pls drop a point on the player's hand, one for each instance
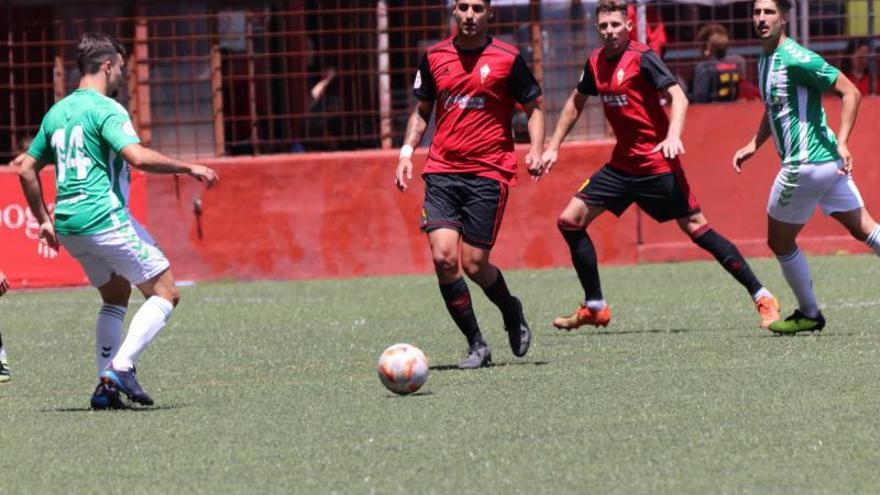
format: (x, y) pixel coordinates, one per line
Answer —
(4, 284)
(204, 174)
(846, 156)
(48, 236)
(548, 159)
(671, 147)
(742, 155)
(535, 164)
(44, 251)
(403, 173)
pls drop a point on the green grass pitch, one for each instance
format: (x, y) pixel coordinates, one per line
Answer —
(271, 387)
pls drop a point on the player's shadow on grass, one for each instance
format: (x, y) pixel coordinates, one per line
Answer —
(606, 333)
(454, 367)
(815, 335)
(111, 411)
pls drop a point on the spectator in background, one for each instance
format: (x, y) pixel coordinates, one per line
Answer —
(316, 125)
(655, 32)
(855, 63)
(718, 77)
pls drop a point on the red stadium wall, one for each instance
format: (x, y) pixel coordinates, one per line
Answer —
(339, 215)
(22, 258)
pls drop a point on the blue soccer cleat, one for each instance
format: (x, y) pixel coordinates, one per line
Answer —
(127, 383)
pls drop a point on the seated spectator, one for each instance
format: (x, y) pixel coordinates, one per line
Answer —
(718, 77)
(855, 63)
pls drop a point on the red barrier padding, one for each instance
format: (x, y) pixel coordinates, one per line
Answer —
(25, 263)
(339, 214)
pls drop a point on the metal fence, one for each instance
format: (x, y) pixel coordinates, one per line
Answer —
(213, 78)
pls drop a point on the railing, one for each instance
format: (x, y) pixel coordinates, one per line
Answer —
(336, 74)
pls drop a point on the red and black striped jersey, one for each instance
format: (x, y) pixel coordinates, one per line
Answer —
(475, 93)
(629, 87)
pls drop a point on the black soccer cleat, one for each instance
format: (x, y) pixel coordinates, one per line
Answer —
(518, 333)
(127, 383)
(106, 396)
(478, 356)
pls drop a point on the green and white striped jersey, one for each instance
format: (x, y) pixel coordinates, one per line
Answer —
(792, 80)
(83, 135)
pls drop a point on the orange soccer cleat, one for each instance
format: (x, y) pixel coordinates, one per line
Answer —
(584, 316)
(768, 308)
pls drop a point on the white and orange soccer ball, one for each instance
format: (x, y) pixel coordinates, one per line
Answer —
(403, 368)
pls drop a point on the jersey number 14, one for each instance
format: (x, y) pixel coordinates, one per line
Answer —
(70, 153)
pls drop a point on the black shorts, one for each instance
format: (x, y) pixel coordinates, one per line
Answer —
(663, 196)
(472, 205)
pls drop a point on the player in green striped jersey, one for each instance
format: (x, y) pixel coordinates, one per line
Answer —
(91, 140)
(816, 164)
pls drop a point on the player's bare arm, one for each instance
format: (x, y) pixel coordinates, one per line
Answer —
(572, 110)
(415, 129)
(850, 98)
(535, 112)
(29, 176)
(148, 160)
(672, 146)
(746, 152)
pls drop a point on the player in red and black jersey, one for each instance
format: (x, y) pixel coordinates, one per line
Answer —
(644, 168)
(473, 83)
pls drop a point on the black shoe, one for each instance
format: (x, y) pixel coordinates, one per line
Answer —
(106, 396)
(518, 333)
(478, 357)
(127, 383)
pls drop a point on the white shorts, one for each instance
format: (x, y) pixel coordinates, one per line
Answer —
(798, 189)
(128, 251)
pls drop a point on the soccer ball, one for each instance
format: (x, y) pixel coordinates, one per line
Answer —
(403, 368)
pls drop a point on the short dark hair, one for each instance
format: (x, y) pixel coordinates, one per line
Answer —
(94, 49)
(784, 5)
(609, 6)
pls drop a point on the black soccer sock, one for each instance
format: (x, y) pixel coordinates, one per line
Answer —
(500, 295)
(458, 302)
(729, 256)
(583, 257)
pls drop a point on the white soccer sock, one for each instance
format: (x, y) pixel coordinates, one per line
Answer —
(595, 304)
(145, 326)
(763, 292)
(108, 334)
(873, 240)
(797, 274)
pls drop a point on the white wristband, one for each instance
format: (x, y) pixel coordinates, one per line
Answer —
(406, 151)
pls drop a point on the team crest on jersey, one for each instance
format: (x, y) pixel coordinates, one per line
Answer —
(776, 104)
(484, 73)
(418, 83)
(620, 75)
